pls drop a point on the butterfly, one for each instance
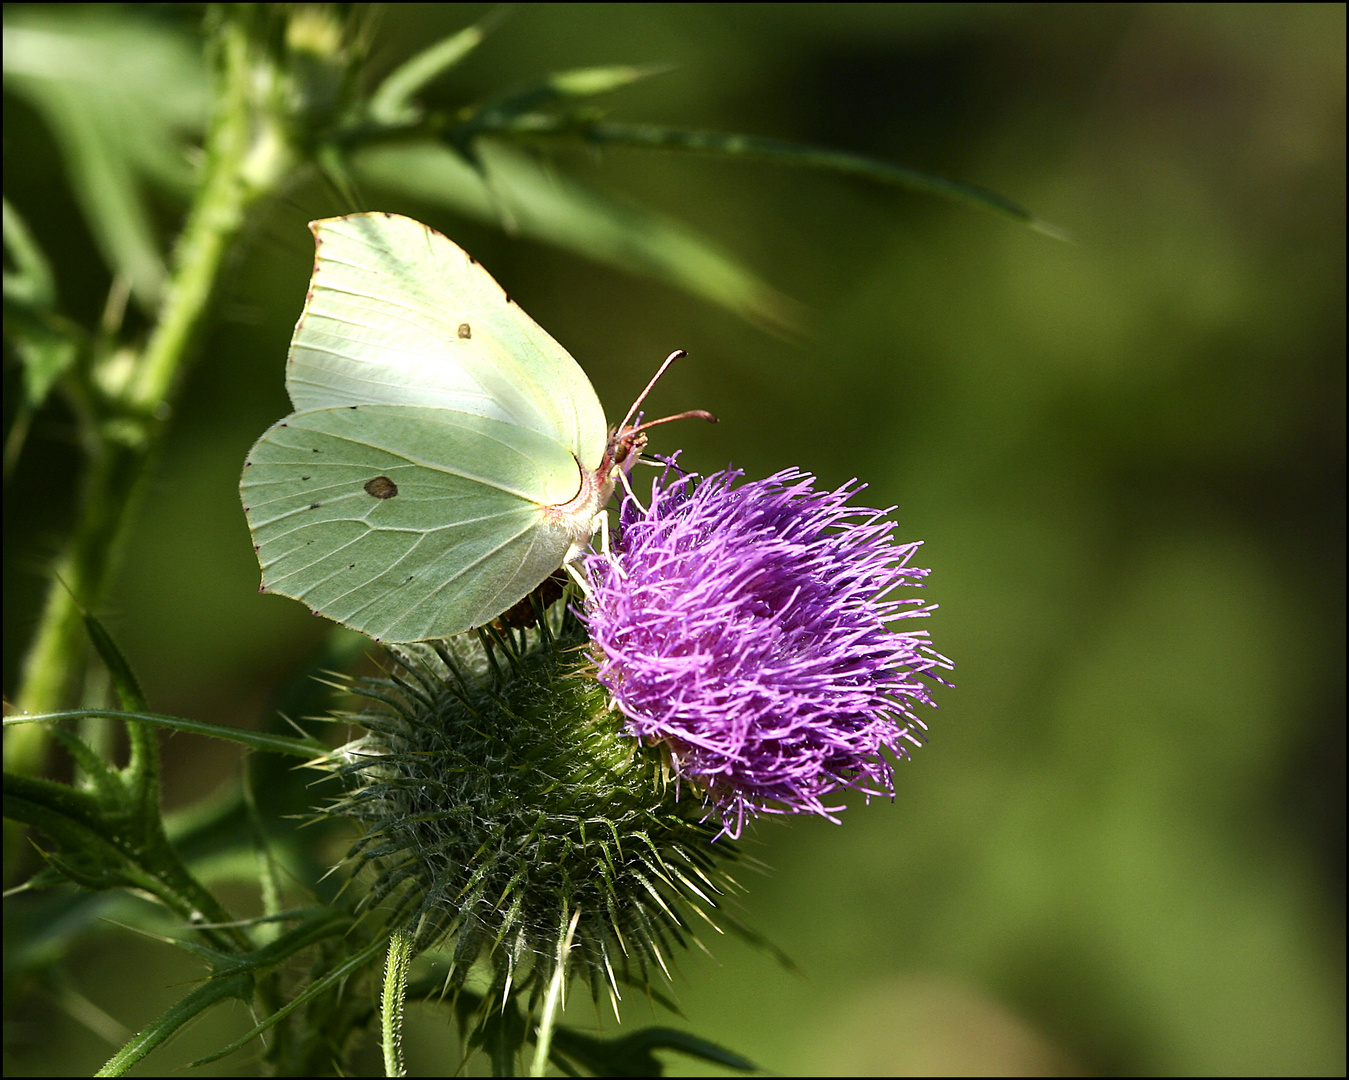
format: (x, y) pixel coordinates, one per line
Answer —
(445, 454)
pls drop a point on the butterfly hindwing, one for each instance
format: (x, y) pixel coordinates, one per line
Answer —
(406, 522)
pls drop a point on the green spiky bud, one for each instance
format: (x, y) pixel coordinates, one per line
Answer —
(500, 797)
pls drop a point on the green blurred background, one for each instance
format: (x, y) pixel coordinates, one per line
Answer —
(1123, 849)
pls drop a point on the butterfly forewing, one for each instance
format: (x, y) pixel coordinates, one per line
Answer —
(397, 314)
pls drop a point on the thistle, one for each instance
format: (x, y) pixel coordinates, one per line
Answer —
(746, 630)
(500, 798)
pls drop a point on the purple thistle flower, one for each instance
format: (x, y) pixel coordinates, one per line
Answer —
(746, 628)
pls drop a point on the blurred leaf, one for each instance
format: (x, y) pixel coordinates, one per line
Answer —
(120, 95)
(153, 73)
(33, 282)
(46, 345)
(562, 211)
(45, 342)
(599, 133)
(497, 113)
(41, 932)
(391, 103)
(634, 1055)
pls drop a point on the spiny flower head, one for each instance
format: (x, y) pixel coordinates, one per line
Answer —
(747, 628)
(500, 799)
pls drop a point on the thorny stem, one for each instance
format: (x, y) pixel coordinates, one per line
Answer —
(391, 1005)
(238, 168)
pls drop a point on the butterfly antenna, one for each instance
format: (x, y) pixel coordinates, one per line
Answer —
(691, 414)
(654, 379)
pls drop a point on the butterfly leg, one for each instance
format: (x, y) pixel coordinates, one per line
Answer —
(578, 577)
(627, 487)
(602, 526)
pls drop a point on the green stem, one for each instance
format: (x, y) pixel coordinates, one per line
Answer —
(391, 1006)
(544, 1043)
(124, 445)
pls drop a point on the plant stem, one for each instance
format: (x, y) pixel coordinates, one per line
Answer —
(391, 1006)
(544, 1040)
(124, 443)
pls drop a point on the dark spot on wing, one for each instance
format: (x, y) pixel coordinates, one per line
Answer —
(381, 487)
(465, 331)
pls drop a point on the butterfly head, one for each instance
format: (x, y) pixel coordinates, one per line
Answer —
(628, 439)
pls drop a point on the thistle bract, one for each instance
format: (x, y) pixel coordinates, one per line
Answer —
(500, 797)
(747, 629)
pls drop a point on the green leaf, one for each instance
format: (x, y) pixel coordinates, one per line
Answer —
(158, 1031)
(564, 212)
(391, 103)
(103, 840)
(98, 846)
(317, 923)
(599, 133)
(120, 95)
(112, 834)
(104, 778)
(310, 992)
(634, 1054)
(562, 86)
(124, 680)
(33, 281)
(257, 740)
(499, 113)
(46, 342)
(47, 346)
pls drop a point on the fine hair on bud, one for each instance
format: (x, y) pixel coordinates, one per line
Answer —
(499, 797)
